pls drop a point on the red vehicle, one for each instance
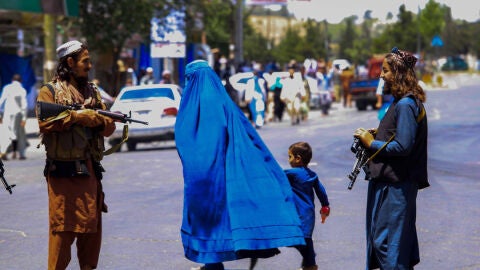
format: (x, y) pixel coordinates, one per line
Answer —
(363, 89)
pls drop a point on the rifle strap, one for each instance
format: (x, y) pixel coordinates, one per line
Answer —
(116, 147)
(381, 148)
(50, 87)
(420, 116)
(58, 116)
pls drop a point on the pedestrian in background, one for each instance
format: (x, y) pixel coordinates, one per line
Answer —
(305, 99)
(255, 97)
(305, 184)
(131, 77)
(269, 82)
(346, 78)
(148, 78)
(14, 102)
(399, 169)
(166, 77)
(278, 104)
(337, 83)
(237, 200)
(74, 144)
(293, 92)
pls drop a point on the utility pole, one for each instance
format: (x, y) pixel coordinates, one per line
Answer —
(49, 55)
(238, 33)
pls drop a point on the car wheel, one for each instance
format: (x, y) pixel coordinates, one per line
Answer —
(131, 146)
(361, 105)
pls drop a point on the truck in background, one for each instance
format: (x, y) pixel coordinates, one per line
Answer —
(363, 88)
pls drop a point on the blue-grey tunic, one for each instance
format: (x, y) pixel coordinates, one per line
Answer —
(397, 174)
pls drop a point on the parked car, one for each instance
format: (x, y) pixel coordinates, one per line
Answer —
(454, 63)
(156, 104)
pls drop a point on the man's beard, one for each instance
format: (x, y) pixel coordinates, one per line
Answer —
(81, 81)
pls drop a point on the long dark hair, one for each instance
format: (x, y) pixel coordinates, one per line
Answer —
(405, 78)
(64, 72)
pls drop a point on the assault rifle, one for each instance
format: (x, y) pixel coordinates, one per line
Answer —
(46, 110)
(361, 160)
(4, 181)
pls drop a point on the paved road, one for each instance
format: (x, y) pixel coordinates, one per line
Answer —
(144, 193)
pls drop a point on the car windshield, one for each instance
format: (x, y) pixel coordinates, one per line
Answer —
(148, 93)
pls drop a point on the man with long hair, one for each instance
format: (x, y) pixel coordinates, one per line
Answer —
(398, 169)
(74, 144)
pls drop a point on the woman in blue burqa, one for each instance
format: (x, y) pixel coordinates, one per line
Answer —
(237, 199)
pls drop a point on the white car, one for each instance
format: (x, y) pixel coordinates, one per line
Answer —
(156, 104)
(106, 98)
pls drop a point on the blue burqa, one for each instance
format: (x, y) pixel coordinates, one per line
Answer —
(237, 199)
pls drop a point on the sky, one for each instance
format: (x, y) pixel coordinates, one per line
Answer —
(335, 11)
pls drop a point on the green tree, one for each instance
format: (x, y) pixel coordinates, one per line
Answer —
(255, 46)
(405, 30)
(456, 37)
(431, 22)
(402, 34)
(218, 19)
(347, 38)
(474, 30)
(213, 19)
(286, 50)
(313, 43)
(108, 26)
(362, 46)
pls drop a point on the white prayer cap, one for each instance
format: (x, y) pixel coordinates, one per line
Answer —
(166, 72)
(149, 69)
(68, 48)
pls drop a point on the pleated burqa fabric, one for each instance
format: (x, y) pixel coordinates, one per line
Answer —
(237, 200)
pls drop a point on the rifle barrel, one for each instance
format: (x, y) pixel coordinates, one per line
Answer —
(120, 117)
(137, 121)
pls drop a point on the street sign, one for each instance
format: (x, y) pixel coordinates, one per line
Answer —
(437, 41)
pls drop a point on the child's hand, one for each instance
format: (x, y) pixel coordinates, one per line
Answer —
(324, 212)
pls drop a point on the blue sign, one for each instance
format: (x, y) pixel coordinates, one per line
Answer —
(437, 41)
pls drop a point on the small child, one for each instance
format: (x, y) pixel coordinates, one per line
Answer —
(304, 182)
